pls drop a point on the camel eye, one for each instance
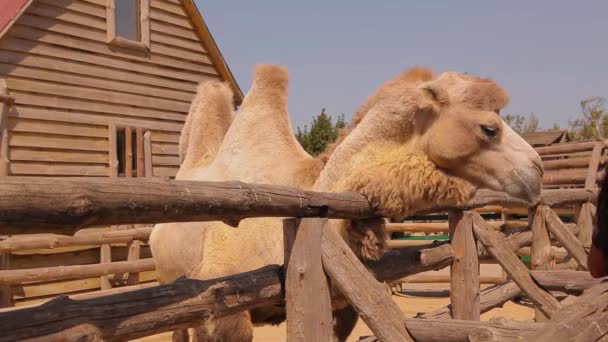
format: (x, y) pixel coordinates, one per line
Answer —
(489, 131)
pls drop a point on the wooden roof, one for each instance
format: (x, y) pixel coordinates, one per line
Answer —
(12, 9)
(545, 138)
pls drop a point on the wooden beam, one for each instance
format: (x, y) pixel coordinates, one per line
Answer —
(568, 240)
(128, 151)
(542, 257)
(140, 166)
(77, 271)
(369, 297)
(133, 254)
(6, 294)
(29, 242)
(584, 222)
(511, 263)
(566, 148)
(464, 272)
(4, 109)
(148, 154)
(105, 257)
(594, 164)
(308, 303)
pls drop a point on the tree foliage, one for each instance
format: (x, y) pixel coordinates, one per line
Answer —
(323, 131)
(594, 121)
(522, 124)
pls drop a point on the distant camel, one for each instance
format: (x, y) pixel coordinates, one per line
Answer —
(415, 143)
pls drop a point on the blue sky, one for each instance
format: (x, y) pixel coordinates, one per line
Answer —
(547, 54)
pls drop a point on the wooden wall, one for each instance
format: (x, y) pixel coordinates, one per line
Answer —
(70, 84)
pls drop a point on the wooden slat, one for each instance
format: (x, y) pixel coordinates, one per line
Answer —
(542, 256)
(165, 171)
(149, 84)
(173, 19)
(177, 31)
(78, 6)
(569, 241)
(6, 294)
(594, 164)
(187, 44)
(72, 53)
(165, 148)
(159, 136)
(105, 256)
(121, 55)
(30, 154)
(168, 7)
(47, 169)
(134, 248)
(144, 17)
(565, 148)
(140, 153)
(148, 154)
(113, 150)
(50, 127)
(104, 96)
(128, 152)
(584, 223)
(464, 272)
(44, 10)
(92, 82)
(58, 141)
(494, 242)
(99, 107)
(307, 320)
(4, 134)
(165, 160)
(89, 118)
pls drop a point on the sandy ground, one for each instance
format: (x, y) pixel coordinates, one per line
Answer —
(409, 304)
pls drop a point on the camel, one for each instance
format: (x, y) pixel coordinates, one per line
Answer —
(418, 141)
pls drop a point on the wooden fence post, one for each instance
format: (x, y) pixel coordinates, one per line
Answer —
(567, 238)
(541, 251)
(584, 223)
(6, 295)
(133, 253)
(594, 164)
(105, 256)
(464, 272)
(308, 303)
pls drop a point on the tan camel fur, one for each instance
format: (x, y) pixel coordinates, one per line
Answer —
(418, 141)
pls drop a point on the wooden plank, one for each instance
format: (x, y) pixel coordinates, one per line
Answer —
(566, 148)
(105, 257)
(32, 154)
(93, 82)
(50, 127)
(148, 154)
(195, 46)
(168, 7)
(594, 164)
(542, 257)
(144, 17)
(4, 136)
(165, 171)
(169, 18)
(50, 169)
(110, 20)
(78, 6)
(140, 167)
(57, 141)
(566, 163)
(54, 25)
(568, 240)
(91, 118)
(72, 53)
(161, 148)
(177, 31)
(134, 248)
(43, 10)
(52, 68)
(99, 107)
(464, 272)
(113, 150)
(307, 320)
(584, 222)
(75, 272)
(6, 295)
(121, 55)
(97, 95)
(494, 242)
(369, 297)
(128, 151)
(160, 136)
(165, 160)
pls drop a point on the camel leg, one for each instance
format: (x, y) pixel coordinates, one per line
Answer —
(180, 335)
(345, 320)
(234, 328)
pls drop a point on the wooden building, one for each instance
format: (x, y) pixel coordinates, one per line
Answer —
(546, 138)
(100, 87)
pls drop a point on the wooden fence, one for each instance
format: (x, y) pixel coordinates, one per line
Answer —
(28, 205)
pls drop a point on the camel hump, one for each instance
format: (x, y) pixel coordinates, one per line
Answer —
(210, 115)
(269, 88)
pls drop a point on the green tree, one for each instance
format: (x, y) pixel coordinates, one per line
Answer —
(594, 121)
(521, 124)
(323, 131)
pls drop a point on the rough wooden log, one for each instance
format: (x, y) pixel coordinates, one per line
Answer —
(105, 258)
(369, 297)
(594, 164)
(584, 223)
(6, 294)
(308, 303)
(440, 330)
(441, 227)
(134, 253)
(489, 298)
(4, 108)
(583, 320)
(542, 257)
(44, 204)
(566, 148)
(516, 269)
(21, 243)
(568, 240)
(570, 163)
(73, 272)
(445, 278)
(464, 272)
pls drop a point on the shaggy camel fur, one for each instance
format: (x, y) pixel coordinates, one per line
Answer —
(415, 139)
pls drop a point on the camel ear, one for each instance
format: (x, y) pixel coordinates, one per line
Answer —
(436, 92)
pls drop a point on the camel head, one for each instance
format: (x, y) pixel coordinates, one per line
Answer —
(463, 134)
